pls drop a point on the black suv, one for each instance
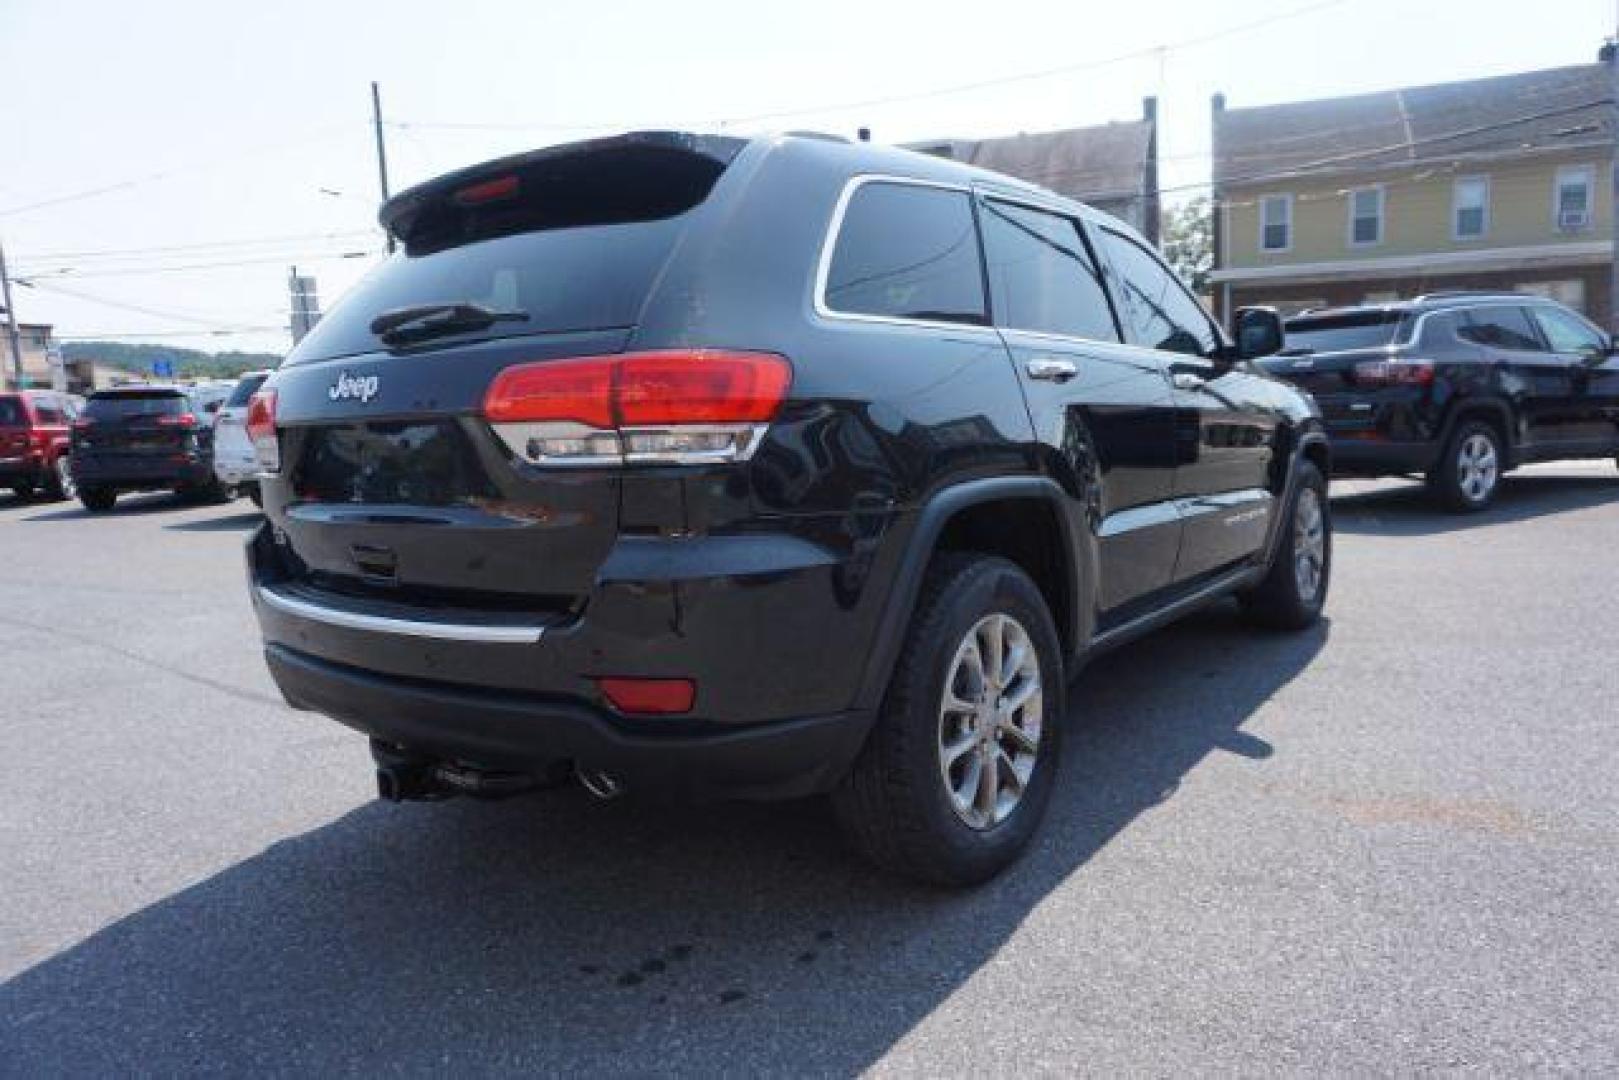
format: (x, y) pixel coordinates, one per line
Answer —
(144, 438)
(762, 469)
(1458, 386)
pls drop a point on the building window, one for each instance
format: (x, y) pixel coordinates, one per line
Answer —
(1366, 217)
(1572, 198)
(1471, 216)
(1275, 222)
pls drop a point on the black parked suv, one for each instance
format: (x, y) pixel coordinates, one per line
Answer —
(1460, 387)
(144, 438)
(761, 469)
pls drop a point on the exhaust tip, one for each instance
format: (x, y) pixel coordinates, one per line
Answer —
(599, 783)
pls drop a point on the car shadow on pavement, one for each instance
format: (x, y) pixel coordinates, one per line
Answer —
(247, 519)
(1408, 510)
(559, 934)
(126, 506)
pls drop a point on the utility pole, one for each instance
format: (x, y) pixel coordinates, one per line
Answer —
(1610, 53)
(382, 150)
(11, 324)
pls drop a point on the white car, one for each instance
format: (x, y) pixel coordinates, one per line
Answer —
(234, 463)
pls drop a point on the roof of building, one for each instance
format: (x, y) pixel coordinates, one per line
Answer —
(1504, 115)
(1089, 164)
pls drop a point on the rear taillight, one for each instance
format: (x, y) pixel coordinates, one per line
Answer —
(83, 423)
(1394, 373)
(183, 420)
(261, 431)
(688, 406)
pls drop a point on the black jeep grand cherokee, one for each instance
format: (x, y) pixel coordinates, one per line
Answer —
(761, 469)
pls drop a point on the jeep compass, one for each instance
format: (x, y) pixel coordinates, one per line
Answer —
(757, 469)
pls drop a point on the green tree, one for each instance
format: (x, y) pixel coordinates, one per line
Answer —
(1189, 241)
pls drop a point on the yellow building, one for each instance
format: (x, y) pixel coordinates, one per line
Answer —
(1499, 183)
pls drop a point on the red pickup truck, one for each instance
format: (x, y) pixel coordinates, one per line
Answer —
(34, 436)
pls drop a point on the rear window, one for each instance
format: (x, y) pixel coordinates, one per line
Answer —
(145, 403)
(12, 414)
(244, 390)
(909, 252)
(1337, 333)
(574, 243)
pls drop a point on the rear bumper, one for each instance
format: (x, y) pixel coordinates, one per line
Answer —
(1362, 456)
(692, 760)
(28, 467)
(136, 474)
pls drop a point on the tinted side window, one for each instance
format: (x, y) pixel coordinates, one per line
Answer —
(47, 411)
(907, 252)
(1042, 275)
(1568, 334)
(1158, 308)
(1502, 327)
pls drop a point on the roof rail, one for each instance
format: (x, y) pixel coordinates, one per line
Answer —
(1471, 294)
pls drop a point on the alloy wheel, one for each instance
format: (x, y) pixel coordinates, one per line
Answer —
(1477, 467)
(1309, 543)
(990, 720)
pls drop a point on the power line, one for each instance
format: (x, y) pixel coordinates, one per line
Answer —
(137, 308)
(137, 271)
(919, 95)
(165, 174)
(245, 242)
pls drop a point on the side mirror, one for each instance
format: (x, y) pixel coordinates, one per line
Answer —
(1258, 331)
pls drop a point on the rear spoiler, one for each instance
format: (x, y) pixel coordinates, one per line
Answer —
(405, 215)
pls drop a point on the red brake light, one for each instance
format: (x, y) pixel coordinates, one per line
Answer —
(687, 406)
(501, 187)
(553, 390)
(84, 423)
(697, 386)
(261, 430)
(664, 697)
(186, 420)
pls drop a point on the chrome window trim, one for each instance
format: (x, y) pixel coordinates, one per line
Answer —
(823, 269)
(381, 624)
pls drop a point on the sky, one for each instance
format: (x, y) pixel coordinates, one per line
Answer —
(165, 163)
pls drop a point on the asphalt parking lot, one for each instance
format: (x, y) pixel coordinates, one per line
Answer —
(1389, 845)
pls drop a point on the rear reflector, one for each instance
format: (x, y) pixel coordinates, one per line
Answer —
(662, 697)
(681, 406)
(261, 431)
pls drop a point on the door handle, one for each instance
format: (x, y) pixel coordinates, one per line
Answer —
(1185, 380)
(1046, 367)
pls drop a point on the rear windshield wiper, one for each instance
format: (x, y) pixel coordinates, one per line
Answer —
(430, 320)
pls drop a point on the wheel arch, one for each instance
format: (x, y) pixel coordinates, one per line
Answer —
(1493, 410)
(1024, 519)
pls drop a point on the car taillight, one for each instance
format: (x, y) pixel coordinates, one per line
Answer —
(687, 406)
(261, 431)
(185, 420)
(83, 423)
(1394, 373)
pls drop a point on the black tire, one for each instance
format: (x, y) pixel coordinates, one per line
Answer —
(204, 493)
(59, 481)
(23, 491)
(97, 500)
(1450, 482)
(895, 806)
(1282, 600)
